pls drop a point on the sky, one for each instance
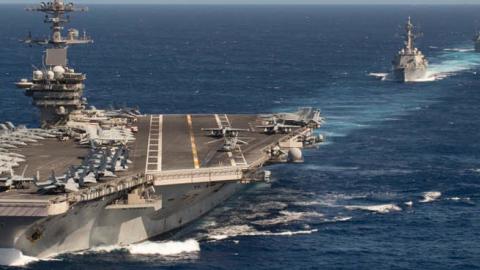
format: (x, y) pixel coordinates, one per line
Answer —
(409, 2)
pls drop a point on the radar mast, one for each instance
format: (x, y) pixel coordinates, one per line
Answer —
(409, 43)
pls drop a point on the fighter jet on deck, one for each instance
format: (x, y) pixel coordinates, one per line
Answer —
(16, 181)
(277, 127)
(224, 131)
(57, 184)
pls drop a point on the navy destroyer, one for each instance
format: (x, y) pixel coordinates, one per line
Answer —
(409, 64)
(91, 177)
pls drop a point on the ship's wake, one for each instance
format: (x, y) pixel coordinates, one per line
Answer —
(227, 232)
(450, 62)
(166, 250)
(459, 50)
(382, 208)
(162, 248)
(14, 257)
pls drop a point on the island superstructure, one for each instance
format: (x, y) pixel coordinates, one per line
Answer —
(409, 64)
(90, 177)
(56, 89)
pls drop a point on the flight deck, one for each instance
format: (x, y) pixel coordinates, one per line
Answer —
(175, 149)
(177, 142)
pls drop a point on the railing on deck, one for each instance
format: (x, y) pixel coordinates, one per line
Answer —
(206, 175)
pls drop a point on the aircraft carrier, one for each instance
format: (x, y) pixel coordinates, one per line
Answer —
(409, 64)
(91, 177)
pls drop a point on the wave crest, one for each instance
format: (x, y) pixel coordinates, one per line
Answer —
(287, 217)
(381, 208)
(430, 196)
(458, 50)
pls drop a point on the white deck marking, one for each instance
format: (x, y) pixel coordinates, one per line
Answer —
(224, 121)
(239, 157)
(232, 160)
(148, 144)
(160, 142)
(217, 119)
(154, 144)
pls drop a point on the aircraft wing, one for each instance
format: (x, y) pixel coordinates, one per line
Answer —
(50, 187)
(267, 126)
(288, 126)
(238, 129)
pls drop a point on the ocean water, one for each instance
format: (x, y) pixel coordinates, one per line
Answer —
(397, 184)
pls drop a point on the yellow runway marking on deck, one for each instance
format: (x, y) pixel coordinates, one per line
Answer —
(196, 163)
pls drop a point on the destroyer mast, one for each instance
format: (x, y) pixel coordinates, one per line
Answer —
(56, 89)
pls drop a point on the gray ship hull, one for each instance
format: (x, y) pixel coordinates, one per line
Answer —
(93, 224)
(409, 75)
(477, 46)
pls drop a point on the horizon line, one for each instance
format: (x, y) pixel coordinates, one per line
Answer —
(16, 3)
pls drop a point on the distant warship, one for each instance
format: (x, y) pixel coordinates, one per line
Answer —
(476, 39)
(409, 64)
(93, 177)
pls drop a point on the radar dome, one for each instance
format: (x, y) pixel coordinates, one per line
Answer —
(50, 75)
(295, 155)
(58, 72)
(61, 110)
(37, 75)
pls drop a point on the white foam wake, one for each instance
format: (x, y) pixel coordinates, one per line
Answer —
(430, 196)
(166, 248)
(381, 76)
(14, 257)
(287, 217)
(475, 170)
(381, 208)
(338, 219)
(458, 199)
(246, 230)
(459, 50)
(309, 203)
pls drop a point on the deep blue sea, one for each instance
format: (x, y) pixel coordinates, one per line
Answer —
(396, 185)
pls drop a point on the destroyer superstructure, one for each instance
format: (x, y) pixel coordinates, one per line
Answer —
(409, 64)
(94, 177)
